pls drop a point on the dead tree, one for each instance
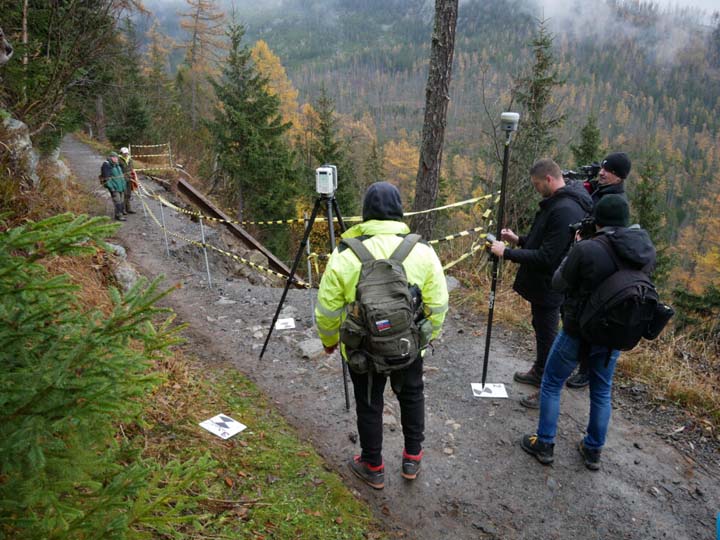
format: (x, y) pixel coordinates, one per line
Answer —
(437, 96)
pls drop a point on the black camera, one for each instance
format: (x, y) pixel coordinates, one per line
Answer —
(586, 173)
(586, 227)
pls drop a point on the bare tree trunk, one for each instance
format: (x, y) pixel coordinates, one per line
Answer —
(437, 96)
(25, 49)
(100, 118)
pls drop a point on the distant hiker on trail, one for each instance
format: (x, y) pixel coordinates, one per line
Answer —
(614, 169)
(539, 254)
(586, 266)
(112, 177)
(126, 164)
(383, 297)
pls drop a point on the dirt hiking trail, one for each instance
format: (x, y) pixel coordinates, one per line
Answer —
(476, 481)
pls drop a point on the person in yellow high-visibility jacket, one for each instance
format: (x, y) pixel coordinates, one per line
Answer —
(381, 232)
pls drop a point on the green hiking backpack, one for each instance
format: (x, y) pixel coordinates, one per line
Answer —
(384, 328)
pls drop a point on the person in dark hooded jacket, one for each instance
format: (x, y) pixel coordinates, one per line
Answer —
(540, 253)
(586, 265)
(614, 170)
(113, 179)
(381, 232)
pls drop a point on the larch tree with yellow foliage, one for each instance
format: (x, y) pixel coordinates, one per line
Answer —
(269, 66)
(400, 165)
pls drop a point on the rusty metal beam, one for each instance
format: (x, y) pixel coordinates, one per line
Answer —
(211, 210)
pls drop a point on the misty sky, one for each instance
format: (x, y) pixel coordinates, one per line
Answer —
(705, 5)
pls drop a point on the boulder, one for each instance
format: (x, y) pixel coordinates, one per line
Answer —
(126, 276)
(21, 156)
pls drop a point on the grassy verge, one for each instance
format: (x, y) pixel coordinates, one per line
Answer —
(673, 374)
(264, 482)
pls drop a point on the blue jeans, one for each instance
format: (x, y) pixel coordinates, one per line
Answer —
(561, 362)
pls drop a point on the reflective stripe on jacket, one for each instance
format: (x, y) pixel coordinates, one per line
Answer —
(337, 287)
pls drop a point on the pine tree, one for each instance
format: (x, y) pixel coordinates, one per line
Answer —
(329, 148)
(70, 376)
(539, 117)
(647, 212)
(588, 151)
(161, 97)
(131, 124)
(204, 24)
(124, 96)
(249, 139)
(65, 47)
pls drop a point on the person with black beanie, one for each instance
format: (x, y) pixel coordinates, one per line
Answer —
(614, 169)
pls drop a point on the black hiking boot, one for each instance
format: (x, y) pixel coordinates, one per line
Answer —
(542, 451)
(372, 476)
(532, 401)
(410, 465)
(578, 380)
(590, 456)
(529, 377)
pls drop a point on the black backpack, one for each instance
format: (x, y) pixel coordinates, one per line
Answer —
(621, 310)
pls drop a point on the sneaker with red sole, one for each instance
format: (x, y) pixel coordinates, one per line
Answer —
(411, 465)
(373, 476)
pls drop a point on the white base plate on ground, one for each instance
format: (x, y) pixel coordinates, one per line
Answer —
(284, 324)
(491, 390)
(223, 426)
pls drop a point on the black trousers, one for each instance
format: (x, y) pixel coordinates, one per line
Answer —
(407, 384)
(545, 321)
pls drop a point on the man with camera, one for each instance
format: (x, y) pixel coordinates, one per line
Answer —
(613, 246)
(383, 298)
(539, 254)
(614, 169)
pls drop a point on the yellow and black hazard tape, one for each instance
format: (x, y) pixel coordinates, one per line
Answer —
(168, 168)
(350, 219)
(452, 205)
(200, 215)
(149, 145)
(150, 155)
(317, 256)
(474, 249)
(222, 251)
(461, 233)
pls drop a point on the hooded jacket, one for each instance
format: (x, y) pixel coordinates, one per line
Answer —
(112, 175)
(588, 264)
(380, 237)
(599, 191)
(542, 250)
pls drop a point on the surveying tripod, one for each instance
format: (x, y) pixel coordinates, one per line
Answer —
(331, 205)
